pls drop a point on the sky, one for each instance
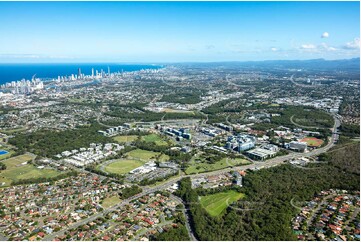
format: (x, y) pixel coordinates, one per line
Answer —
(153, 32)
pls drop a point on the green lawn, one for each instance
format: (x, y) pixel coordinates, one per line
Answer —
(125, 138)
(17, 160)
(77, 100)
(169, 110)
(11, 131)
(122, 166)
(16, 171)
(154, 138)
(142, 154)
(215, 204)
(205, 167)
(110, 201)
(163, 158)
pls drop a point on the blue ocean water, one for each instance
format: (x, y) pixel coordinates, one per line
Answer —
(16, 72)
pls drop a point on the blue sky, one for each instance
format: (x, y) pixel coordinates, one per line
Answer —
(177, 31)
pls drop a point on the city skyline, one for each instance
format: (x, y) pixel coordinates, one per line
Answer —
(178, 31)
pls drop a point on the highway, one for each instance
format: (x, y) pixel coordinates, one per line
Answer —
(256, 165)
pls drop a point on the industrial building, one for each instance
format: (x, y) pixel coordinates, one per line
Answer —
(261, 154)
(297, 146)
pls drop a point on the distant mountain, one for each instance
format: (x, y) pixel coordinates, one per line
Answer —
(349, 65)
(353, 63)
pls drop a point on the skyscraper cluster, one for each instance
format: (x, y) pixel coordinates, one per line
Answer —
(24, 86)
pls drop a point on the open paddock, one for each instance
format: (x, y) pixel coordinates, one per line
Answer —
(216, 203)
(16, 170)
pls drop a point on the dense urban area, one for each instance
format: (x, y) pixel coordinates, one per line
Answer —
(198, 151)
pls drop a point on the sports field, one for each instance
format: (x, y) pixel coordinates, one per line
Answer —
(15, 170)
(169, 110)
(122, 166)
(205, 167)
(312, 141)
(125, 138)
(110, 201)
(154, 138)
(146, 155)
(215, 204)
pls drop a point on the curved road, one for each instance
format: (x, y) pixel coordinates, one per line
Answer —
(302, 126)
(302, 85)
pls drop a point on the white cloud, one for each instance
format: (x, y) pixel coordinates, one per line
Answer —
(352, 45)
(320, 48)
(18, 56)
(274, 49)
(324, 46)
(33, 56)
(325, 35)
(308, 47)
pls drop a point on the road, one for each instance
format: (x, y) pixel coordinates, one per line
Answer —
(302, 126)
(256, 165)
(302, 85)
(231, 83)
(188, 226)
(314, 211)
(105, 125)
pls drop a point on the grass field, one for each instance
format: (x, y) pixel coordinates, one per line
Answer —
(16, 171)
(77, 100)
(163, 158)
(215, 204)
(125, 138)
(154, 138)
(146, 155)
(169, 110)
(122, 166)
(110, 201)
(11, 131)
(205, 167)
(312, 141)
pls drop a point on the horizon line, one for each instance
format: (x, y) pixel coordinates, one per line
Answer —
(175, 62)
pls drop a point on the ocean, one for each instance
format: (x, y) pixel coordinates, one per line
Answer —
(16, 72)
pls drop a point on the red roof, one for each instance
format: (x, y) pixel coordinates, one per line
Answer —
(242, 173)
(106, 237)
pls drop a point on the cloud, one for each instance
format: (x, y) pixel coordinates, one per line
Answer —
(324, 46)
(325, 35)
(352, 45)
(20, 56)
(308, 47)
(33, 56)
(274, 49)
(320, 48)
